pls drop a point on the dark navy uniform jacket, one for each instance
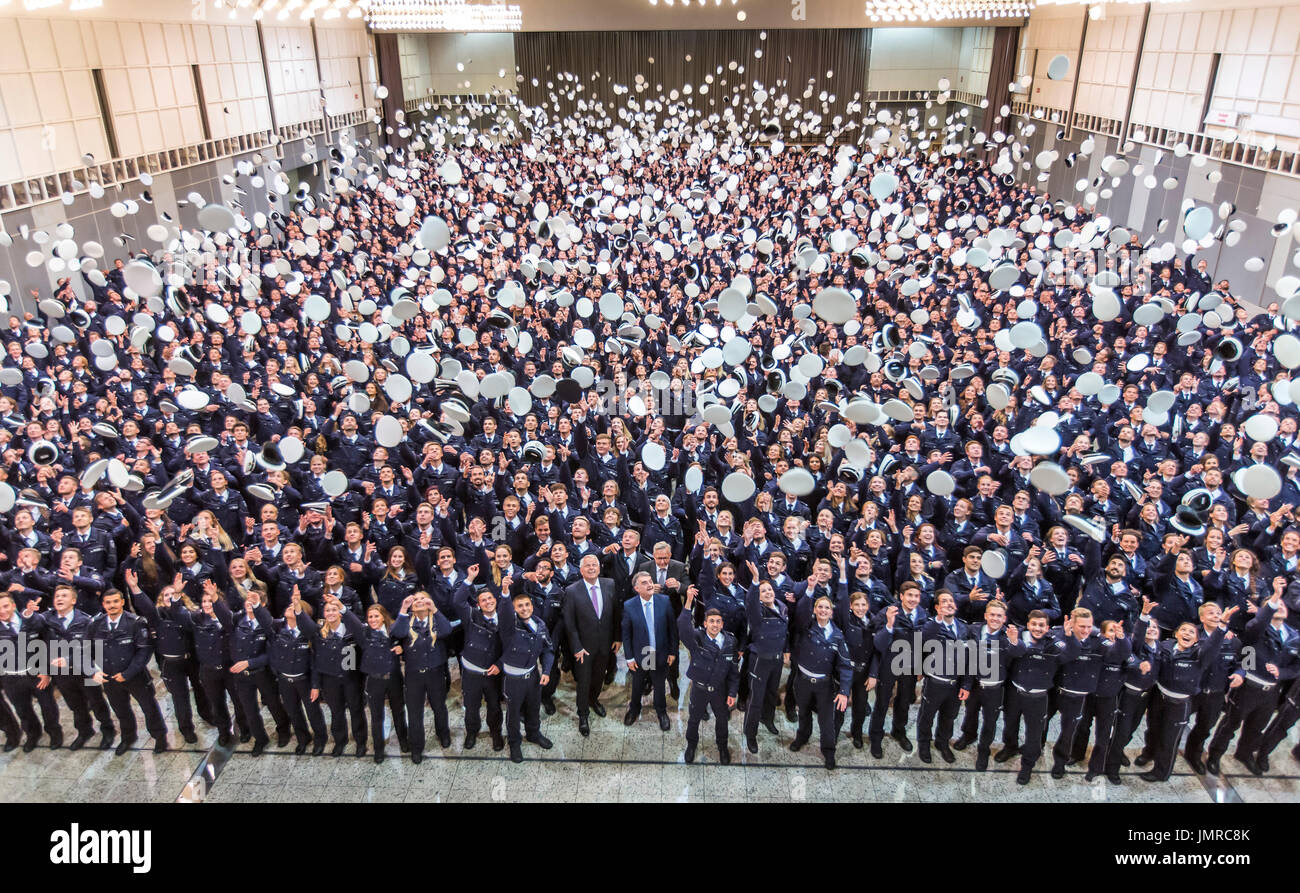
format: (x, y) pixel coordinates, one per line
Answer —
(1036, 662)
(290, 653)
(482, 646)
(423, 649)
(377, 656)
(714, 669)
(126, 647)
(170, 636)
(820, 654)
(211, 636)
(993, 652)
(251, 644)
(523, 646)
(1181, 670)
(767, 626)
(1080, 675)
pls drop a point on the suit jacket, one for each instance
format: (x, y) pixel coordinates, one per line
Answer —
(676, 571)
(636, 636)
(586, 631)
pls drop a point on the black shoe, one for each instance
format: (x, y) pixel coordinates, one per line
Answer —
(362, 748)
(444, 741)
(123, 746)
(629, 718)
(1022, 777)
(379, 756)
(584, 728)
(1113, 777)
(245, 737)
(1212, 764)
(674, 690)
(541, 741)
(877, 752)
(339, 747)
(1150, 775)
(829, 759)
(417, 757)
(1249, 763)
(946, 752)
(56, 739)
(160, 745)
(791, 714)
(963, 742)
(923, 751)
(1006, 753)
(1295, 753)
(260, 745)
(106, 740)
(751, 744)
(282, 739)
(689, 756)
(318, 748)
(190, 737)
(1262, 762)
(1125, 761)
(982, 760)
(1144, 759)
(1194, 760)
(857, 740)
(225, 739)
(29, 745)
(11, 744)
(903, 741)
(302, 746)
(664, 724)
(1058, 769)
(470, 738)
(598, 709)
(548, 704)
(797, 744)
(516, 754)
(724, 755)
(79, 742)
(498, 742)
(771, 727)
(1089, 775)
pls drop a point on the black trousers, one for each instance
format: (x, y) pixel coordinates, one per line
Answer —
(21, 690)
(379, 689)
(816, 696)
(1168, 717)
(217, 683)
(1132, 705)
(85, 701)
(702, 700)
(477, 688)
(342, 694)
(295, 695)
(8, 722)
(764, 685)
(1209, 707)
(426, 685)
(982, 709)
(903, 690)
(657, 673)
(1033, 709)
(178, 675)
(1250, 707)
(248, 685)
(1280, 725)
(523, 696)
(1070, 705)
(939, 700)
(563, 658)
(1100, 709)
(139, 687)
(857, 703)
(589, 673)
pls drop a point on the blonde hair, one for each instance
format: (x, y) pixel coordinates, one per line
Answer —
(413, 637)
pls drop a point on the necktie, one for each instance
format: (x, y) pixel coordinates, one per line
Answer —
(13, 625)
(595, 600)
(649, 619)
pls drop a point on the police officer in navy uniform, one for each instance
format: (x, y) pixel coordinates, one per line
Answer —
(527, 658)
(1184, 660)
(987, 685)
(125, 672)
(290, 656)
(334, 675)
(909, 619)
(1077, 681)
(20, 683)
(1140, 672)
(382, 668)
(1035, 658)
(250, 636)
(825, 673)
(422, 631)
(1252, 702)
(714, 672)
(173, 647)
(945, 685)
(1211, 699)
(768, 653)
(64, 623)
(210, 628)
(480, 655)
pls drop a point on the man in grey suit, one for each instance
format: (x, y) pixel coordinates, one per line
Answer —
(669, 577)
(591, 619)
(649, 645)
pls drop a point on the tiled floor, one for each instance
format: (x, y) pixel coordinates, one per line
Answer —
(615, 764)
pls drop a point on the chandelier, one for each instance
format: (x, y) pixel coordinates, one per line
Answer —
(939, 10)
(443, 15)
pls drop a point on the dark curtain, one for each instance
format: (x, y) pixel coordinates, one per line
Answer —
(1002, 71)
(388, 60)
(793, 62)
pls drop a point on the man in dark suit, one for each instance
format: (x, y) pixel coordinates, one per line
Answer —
(590, 620)
(669, 577)
(649, 645)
